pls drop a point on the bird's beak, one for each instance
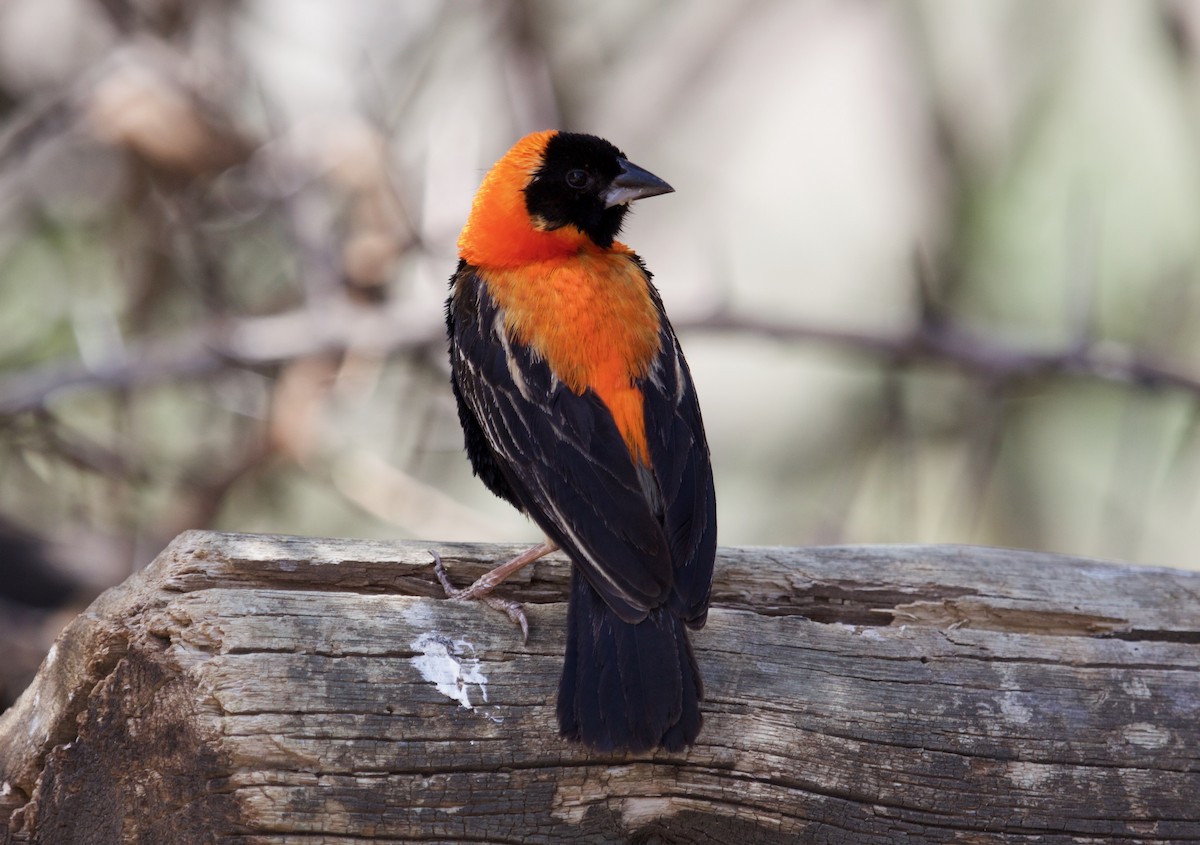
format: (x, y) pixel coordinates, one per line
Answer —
(633, 183)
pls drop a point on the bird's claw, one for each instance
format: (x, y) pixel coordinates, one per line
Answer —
(439, 569)
(510, 608)
(514, 610)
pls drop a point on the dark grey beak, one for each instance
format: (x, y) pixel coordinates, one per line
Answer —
(633, 183)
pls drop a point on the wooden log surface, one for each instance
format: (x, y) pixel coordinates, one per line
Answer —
(260, 689)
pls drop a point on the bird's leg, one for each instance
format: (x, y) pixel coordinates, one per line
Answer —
(482, 588)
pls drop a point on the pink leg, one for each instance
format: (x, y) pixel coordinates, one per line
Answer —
(482, 588)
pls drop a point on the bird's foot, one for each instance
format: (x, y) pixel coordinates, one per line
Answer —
(481, 590)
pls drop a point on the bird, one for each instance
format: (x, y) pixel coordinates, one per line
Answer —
(578, 408)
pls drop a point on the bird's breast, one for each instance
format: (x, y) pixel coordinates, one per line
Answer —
(590, 317)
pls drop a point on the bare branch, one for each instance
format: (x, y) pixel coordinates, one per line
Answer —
(222, 345)
(267, 341)
(1104, 361)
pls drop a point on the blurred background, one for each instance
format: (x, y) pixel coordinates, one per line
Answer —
(934, 265)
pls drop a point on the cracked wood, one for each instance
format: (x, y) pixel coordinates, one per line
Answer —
(282, 690)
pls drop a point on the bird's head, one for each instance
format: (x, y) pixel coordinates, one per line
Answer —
(553, 193)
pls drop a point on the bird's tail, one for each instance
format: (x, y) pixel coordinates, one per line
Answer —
(623, 686)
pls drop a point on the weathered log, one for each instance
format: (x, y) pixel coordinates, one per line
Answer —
(284, 690)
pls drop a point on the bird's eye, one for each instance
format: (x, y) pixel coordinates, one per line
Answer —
(578, 178)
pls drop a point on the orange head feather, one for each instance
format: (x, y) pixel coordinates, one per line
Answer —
(500, 231)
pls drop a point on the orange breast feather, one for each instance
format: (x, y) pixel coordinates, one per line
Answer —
(590, 317)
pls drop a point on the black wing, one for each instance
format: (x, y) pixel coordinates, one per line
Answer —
(680, 457)
(640, 538)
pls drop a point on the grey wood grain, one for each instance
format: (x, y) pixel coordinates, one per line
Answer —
(281, 690)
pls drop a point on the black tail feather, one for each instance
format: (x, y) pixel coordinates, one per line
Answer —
(632, 687)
